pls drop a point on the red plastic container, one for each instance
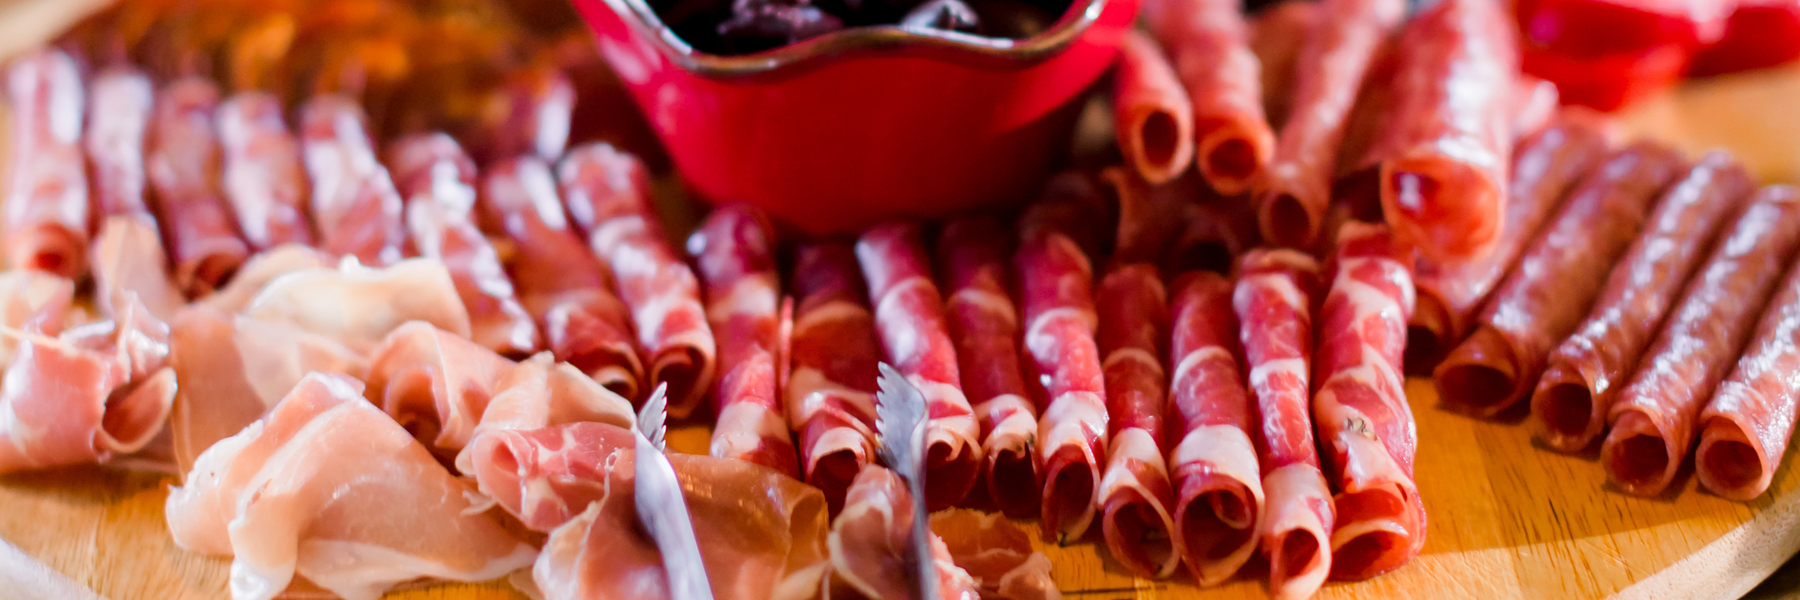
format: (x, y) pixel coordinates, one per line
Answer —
(863, 125)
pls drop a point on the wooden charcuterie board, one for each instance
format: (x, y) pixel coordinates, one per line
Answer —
(1507, 519)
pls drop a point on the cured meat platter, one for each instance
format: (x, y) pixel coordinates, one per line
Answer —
(1510, 518)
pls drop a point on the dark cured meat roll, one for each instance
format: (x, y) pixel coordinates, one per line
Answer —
(183, 165)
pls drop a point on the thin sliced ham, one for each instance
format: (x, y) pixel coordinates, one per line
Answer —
(183, 167)
(360, 305)
(261, 269)
(434, 383)
(996, 553)
(1136, 498)
(120, 103)
(328, 488)
(1208, 42)
(46, 205)
(1151, 111)
(872, 545)
(128, 257)
(830, 353)
(27, 295)
(539, 393)
(733, 251)
(528, 113)
(264, 178)
(354, 202)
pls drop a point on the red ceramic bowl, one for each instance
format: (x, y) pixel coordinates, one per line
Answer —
(863, 125)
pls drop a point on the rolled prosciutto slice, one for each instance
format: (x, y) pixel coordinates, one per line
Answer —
(1218, 490)
(1586, 371)
(1215, 230)
(1151, 111)
(1545, 166)
(734, 254)
(1445, 142)
(328, 488)
(1273, 300)
(1135, 495)
(559, 281)
(437, 181)
(1337, 51)
(1745, 430)
(830, 351)
(1544, 298)
(915, 338)
(1061, 358)
(1364, 424)
(1276, 35)
(265, 179)
(1653, 422)
(608, 194)
(529, 113)
(975, 258)
(119, 108)
(872, 545)
(46, 206)
(354, 202)
(183, 165)
(1208, 43)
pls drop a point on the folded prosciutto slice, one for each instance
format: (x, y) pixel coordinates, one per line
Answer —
(539, 393)
(437, 181)
(734, 254)
(828, 372)
(354, 202)
(1208, 43)
(328, 488)
(608, 194)
(434, 383)
(1151, 111)
(183, 167)
(1744, 431)
(1544, 298)
(127, 256)
(261, 269)
(1587, 369)
(24, 297)
(95, 392)
(1545, 166)
(915, 338)
(359, 305)
(46, 206)
(1274, 299)
(1339, 46)
(559, 281)
(996, 553)
(119, 107)
(1364, 424)
(264, 177)
(1058, 234)
(872, 545)
(1653, 421)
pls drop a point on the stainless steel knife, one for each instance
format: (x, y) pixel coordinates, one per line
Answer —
(662, 508)
(900, 420)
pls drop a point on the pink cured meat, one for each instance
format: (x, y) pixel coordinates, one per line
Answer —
(1545, 166)
(915, 338)
(608, 194)
(996, 553)
(974, 255)
(1744, 431)
(265, 178)
(119, 107)
(830, 354)
(354, 202)
(1364, 424)
(1587, 370)
(529, 113)
(559, 282)
(538, 393)
(1338, 49)
(872, 547)
(46, 206)
(1208, 43)
(1446, 135)
(1545, 297)
(1062, 360)
(1274, 300)
(183, 166)
(434, 383)
(1653, 421)
(1218, 489)
(1276, 35)
(1135, 495)
(1151, 111)
(734, 254)
(437, 181)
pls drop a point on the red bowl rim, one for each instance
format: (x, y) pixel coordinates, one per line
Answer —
(953, 46)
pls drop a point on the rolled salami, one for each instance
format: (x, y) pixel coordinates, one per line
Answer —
(264, 177)
(1218, 487)
(1745, 430)
(1151, 112)
(183, 167)
(1653, 420)
(915, 338)
(1208, 43)
(1545, 166)
(608, 194)
(734, 254)
(437, 182)
(1587, 370)
(974, 255)
(1135, 494)
(46, 207)
(830, 358)
(1274, 299)
(119, 107)
(1364, 424)
(1340, 45)
(354, 202)
(559, 281)
(1544, 298)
